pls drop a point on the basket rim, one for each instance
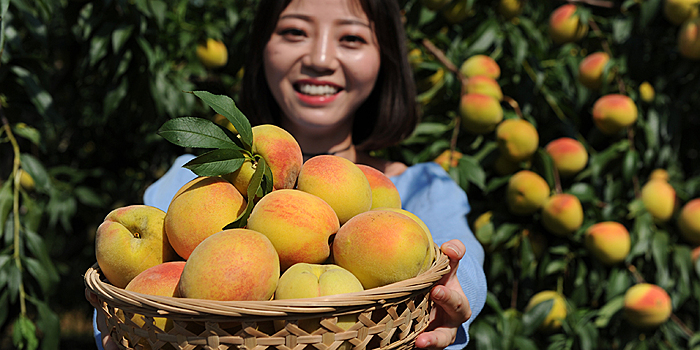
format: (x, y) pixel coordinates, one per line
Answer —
(163, 306)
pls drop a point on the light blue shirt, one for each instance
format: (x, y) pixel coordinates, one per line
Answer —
(426, 190)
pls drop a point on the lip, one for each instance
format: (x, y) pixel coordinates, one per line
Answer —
(317, 100)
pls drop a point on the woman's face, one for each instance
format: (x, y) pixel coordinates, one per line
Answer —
(321, 63)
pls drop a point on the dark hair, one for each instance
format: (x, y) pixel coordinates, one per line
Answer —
(389, 114)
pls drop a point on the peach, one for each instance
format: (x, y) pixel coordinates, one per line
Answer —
(614, 112)
(199, 209)
(304, 280)
(517, 139)
(431, 256)
(556, 314)
(647, 305)
(480, 113)
(569, 155)
(565, 25)
(448, 159)
(212, 53)
(608, 241)
(234, 264)
(481, 84)
(646, 92)
(384, 192)
(590, 70)
(526, 192)
(660, 174)
(483, 220)
(381, 247)
(679, 11)
(689, 221)
(281, 153)
(222, 121)
(339, 182)
(480, 65)
(689, 39)
(26, 181)
(131, 240)
(659, 199)
(457, 11)
(510, 8)
(297, 223)
(562, 214)
(161, 280)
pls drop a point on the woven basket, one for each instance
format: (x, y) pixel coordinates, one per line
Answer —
(388, 317)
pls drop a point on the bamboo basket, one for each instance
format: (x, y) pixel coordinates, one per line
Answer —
(387, 317)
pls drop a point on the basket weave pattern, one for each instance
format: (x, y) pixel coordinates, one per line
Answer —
(388, 317)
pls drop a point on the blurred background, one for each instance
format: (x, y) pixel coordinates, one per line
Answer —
(85, 85)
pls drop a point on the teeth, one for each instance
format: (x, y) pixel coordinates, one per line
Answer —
(317, 90)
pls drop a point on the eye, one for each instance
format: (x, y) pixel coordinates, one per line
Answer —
(291, 33)
(354, 39)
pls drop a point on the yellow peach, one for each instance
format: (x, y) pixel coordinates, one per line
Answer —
(614, 112)
(590, 70)
(131, 240)
(526, 192)
(679, 11)
(212, 53)
(480, 65)
(569, 155)
(448, 159)
(297, 223)
(510, 8)
(384, 192)
(431, 256)
(480, 113)
(339, 182)
(481, 84)
(161, 280)
(689, 221)
(565, 25)
(608, 241)
(556, 314)
(381, 247)
(689, 39)
(646, 92)
(234, 264)
(659, 199)
(647, 305)
(517, 139)
(562, 214)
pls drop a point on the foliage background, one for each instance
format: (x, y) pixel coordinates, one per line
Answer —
(86, 84)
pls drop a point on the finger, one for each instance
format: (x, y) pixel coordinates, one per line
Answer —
(91, 297)
(108, 343)
(453, 303)
(437, 339)
(454, 249)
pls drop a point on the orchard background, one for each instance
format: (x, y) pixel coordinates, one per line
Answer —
(86, 84)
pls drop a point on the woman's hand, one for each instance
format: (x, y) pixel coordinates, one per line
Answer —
(107, 343)
(451, 305)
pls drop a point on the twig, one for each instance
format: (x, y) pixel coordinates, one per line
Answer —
(445, 61)
(513, 103)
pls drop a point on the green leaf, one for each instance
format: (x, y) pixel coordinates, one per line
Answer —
(36, 270)
(114, 97)
(216, 162)
(534, 317)
(87, 196)
(196, 133)
(225, 106)
(33, 166)
(470, 168)
(607, 311)
(120, 35)
(484, 336)
(28, 132)
(24, 334)
(4, 305)
(254, 190)
(522, 343)
(630, 165)
(5, 202)
(49, 325)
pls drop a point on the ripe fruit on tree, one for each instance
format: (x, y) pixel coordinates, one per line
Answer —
(565, 25)
(689, 39)
(129, 241)
(339, 182)
(384, 192)
(26, 181)
(562, 214)
(381, 247)
(647, 305)
(646, 92)
(659, 199)
(457, 11)
(679, 11)
(297, 223)
(591, 69)
(608, 241)
(614, 112)
(448, 159)
(199, 209)
(569, 156)
(517, 139)
(480, 65)
(510, 8)
(556, 314)
(689, 221)
(526, 192)
(481, 84)
(660, 174)
(212, 53)
(480, 114)
(235, 264)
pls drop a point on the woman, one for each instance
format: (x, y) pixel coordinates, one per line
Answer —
(334, 73)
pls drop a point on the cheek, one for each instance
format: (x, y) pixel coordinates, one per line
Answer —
(366, 69)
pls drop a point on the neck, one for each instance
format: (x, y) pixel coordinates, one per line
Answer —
(334, 141)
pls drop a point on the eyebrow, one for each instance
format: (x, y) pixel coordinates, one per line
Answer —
(347, 21)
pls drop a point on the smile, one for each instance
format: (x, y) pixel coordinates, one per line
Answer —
(317, 90)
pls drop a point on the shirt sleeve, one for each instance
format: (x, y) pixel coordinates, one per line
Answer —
(427, 191)
(160, 193)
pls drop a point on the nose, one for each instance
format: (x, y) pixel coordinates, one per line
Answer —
(322, 55)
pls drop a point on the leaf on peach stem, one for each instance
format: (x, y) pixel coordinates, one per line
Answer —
(197, 133)
(225, 106)
(216, 162)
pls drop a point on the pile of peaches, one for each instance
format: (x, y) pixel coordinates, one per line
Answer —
(328, 227)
